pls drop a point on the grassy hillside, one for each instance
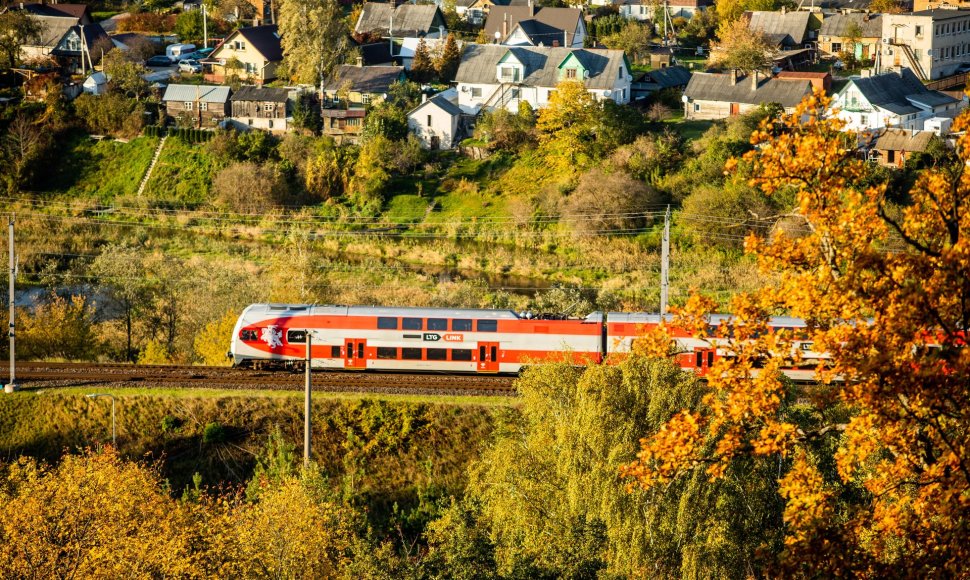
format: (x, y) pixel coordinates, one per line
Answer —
(102, 170)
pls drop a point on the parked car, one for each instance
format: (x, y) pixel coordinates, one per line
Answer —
(190, 66)
(200, 54)
(159, 60)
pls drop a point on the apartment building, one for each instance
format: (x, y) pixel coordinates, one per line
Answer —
(933, 43)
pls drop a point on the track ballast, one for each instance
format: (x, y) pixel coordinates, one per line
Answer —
(33, 375)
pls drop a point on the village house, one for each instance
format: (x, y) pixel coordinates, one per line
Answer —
(263, 108)
(786, 30)
(249, 54)
(401, 21)
(934, 43)
(494, 76)
(893, 147)
(553, 26)
(667, 78)
(836, 35)
(719, 96)
(821, 81)
(435, 121)
(345, 96)
(201, 106)
(474, 12)
(68, 35)
(891, 99)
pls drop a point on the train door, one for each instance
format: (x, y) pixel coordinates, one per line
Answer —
(488, 357)
(703, 360)
(354, 353)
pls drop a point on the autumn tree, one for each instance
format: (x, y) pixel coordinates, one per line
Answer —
(566, 127)
(739, 47)
(16, 29)
(422, 66)
(22, 147)
(448, 61)
(60, 328)
(884, 290)
(886, 7)
(633, 39)
(314, 37)
(120, 275)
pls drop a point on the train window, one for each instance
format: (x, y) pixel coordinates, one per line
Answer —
(411, 353)
(412, 324)
(335, 351)
(386, 323)
(487, 326)
(249, 335)
(461, 354)
(437, 324)
(360, 350)
(437, 353)
(296, 336)
(461, 324)
(386, 352)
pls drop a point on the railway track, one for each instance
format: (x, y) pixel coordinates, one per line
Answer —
(53, 375)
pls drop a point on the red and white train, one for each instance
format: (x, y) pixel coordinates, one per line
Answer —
(455, 340)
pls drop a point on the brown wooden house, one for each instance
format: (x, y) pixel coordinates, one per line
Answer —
(201, 106)
(261, 108)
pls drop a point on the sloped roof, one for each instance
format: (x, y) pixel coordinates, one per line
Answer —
(376, 53)
(479, 61)
(897, 92)
(837, 5)
(567, 19)
(265, 39)
(903, 140)
(718, 87)
(78, 11)
(91, 32)
(445, 100)
(539, 32)
(784, 28)
(671, 76)
(260, 94)
(408, 19)
(838, 24)
(53, 29)
(365, 79)
(204, 93)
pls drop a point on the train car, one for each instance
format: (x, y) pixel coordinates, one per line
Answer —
(698, 354)
(410, 339)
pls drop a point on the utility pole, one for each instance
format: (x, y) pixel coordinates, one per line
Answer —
(665, 264)
(306, 407)
(12, 385)
(205, 29)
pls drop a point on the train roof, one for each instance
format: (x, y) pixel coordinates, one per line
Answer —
(258, 310)
(654, 318)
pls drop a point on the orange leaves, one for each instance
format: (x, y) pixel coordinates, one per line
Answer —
(807, 499)
(670, 451)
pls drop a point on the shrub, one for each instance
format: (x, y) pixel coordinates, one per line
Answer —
(111, 113)
(213, 433)
(170, 423)
(247, 187)
(604, 202)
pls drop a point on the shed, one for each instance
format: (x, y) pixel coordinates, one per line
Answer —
(95, 84)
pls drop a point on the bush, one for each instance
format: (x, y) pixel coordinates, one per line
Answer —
(213, 433)
(170, 423)
(248, 187)
(111, 113)
(608, 202)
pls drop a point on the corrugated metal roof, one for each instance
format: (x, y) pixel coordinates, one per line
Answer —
(479, 62)
(718, 87)
(408, 19)
(445, 100)
(671, 76)
(786, 28)
(561, 18)
(903, 140)
(203, 93)
(896, 92)
(365, 79)
(870, 25)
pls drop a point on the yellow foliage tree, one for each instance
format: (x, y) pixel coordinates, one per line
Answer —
(567, 126)
(885, 291)
(60, 328)
(212, 342)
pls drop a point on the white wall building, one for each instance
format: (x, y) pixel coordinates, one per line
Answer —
(435, 121)
(934, 43)
(891, 100)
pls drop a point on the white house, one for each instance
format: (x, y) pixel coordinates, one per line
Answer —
(435, 121)
(891, 100)
(494, 76)
(502, 20)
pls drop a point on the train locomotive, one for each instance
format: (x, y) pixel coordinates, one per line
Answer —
(453, 340)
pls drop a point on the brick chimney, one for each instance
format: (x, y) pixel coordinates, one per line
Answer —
(754, 80)
(360, 61)
(734, 76)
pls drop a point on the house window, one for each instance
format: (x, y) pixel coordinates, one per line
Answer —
(697, 107)
(836, 47)
(429, 120)
(891, 156)
(270, 123)
(203, 106)
(476, 93)
(919, 31)
(353, 122)
(365, 98)
(515, 93)
(549, 94)
(188, 105)
(918, 53)
(570, 73)
(268, 107)
(864, 120)
(508, 73)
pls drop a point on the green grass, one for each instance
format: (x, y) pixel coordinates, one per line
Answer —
(689, 130)
(406, 208)
(182, 175)
(98, 169)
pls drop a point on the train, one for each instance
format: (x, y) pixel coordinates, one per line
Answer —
(459, 340)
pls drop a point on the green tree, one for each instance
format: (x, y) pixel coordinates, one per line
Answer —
(314, 36)
(741, 48)
(422, 67)
(633, 38)
(567, 126)
(125, 74)
(16, 29)
(188, 26)
(120, 275)
(447, 65)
